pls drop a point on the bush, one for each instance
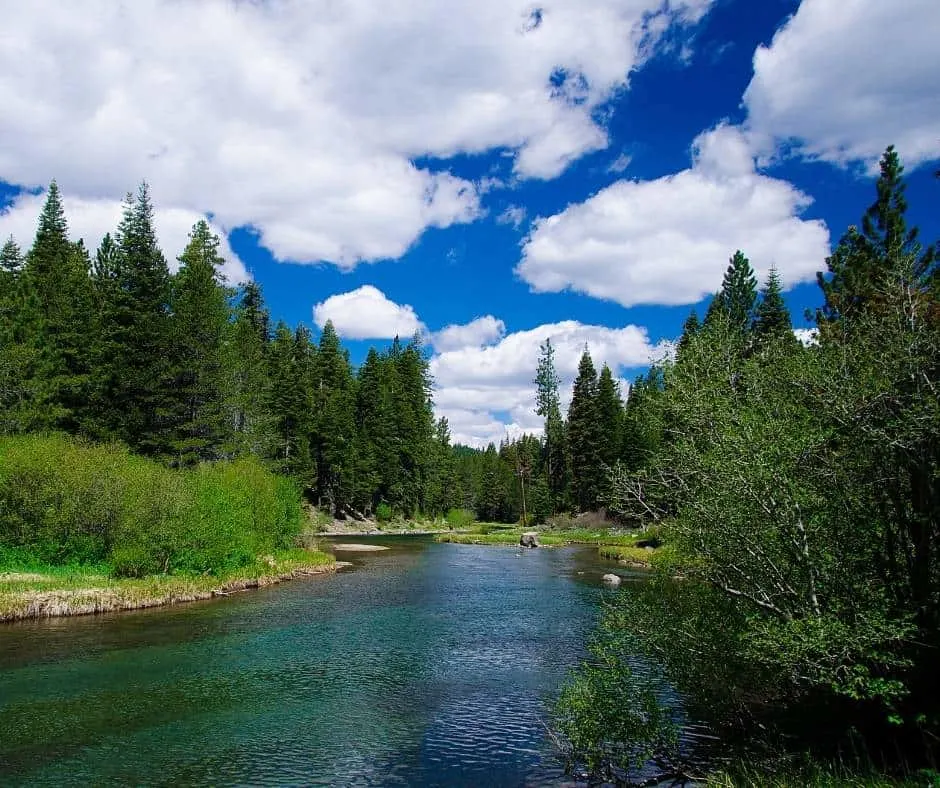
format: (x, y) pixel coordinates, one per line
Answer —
(460, 518)
(384, 513)
(63, 501)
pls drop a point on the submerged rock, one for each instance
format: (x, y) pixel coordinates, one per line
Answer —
(529, 539)
(611, 579)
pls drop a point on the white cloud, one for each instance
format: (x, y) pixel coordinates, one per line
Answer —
(91, 219)
(620, 164)
(807, 336)
(668, 241)
(514, 215)
(842, 81)
(481, 331)
(303, 119)
(366, 313)
(477, 387)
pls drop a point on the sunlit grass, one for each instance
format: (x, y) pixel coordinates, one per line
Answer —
(40, 591)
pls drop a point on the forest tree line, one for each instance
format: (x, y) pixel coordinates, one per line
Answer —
(184, 368)
(181, 367)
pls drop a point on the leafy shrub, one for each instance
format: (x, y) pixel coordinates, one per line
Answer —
(384, 513)
(460, 518)
(64, 501)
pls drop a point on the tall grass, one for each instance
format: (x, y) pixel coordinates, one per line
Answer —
(67, 502)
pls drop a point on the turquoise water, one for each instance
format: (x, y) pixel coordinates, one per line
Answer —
(428, 664)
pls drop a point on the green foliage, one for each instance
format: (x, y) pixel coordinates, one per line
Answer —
(800, 494)
(133, 373)
(54, 312)
(65, 502)
(200, 315)
(610, 714)
(584, 437)
(384, 513)
(738, 293)
(772, 318)
(460, 518)
(548, 406)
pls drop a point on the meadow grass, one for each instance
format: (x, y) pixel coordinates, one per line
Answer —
(34, 591)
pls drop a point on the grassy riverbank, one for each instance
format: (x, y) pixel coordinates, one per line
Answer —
(612, 544)
(90, 528)
(47, 591)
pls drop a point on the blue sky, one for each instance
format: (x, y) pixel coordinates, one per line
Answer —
(491, 174)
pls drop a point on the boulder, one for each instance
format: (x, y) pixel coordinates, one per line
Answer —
(611, 580)
(529, 539)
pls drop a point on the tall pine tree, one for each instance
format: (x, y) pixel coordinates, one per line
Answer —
(248, 385)
(738, 292)
(584, 437)
(134, 399)
(610, 417)
(199, 321)
(56, 292)
(547, 405)
(772, 318)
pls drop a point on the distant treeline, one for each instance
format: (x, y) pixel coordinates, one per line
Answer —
(183, 368)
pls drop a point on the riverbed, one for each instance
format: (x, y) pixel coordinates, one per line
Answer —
(425, 664)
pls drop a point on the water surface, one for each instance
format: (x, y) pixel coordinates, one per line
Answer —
(428, 664)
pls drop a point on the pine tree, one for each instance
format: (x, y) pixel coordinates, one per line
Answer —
(378, 477)
(56, 304)
(335, 432)
(548, 407)
(200, 316)
(133, 362)
(415, 422)
(442, 493)
(858, 266)
(738, 292)
(690, 328)
(248, 387)
(610, 417)
(772, 318)
(17, 409)
(584, 438)
(11, 267)
(291, 403)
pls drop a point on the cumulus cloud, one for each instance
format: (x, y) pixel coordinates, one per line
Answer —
(668, 241)
(842, 81)
(476, 387)
(367, 313)
(303, 120)
(481, 331)
(91, 219)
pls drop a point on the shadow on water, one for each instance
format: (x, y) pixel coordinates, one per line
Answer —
(426, 664)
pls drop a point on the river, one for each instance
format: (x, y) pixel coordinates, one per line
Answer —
(426, 664)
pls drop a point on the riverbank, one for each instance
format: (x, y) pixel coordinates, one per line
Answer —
(47, 592)
(626, 548)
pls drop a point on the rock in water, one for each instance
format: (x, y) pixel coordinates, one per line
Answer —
(529, 539)
(611, 580)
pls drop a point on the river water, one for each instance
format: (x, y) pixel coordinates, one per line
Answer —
(427, 664)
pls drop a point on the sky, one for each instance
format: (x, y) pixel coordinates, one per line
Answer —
(489, 174)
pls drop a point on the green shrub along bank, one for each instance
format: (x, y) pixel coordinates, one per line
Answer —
(66, 502)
